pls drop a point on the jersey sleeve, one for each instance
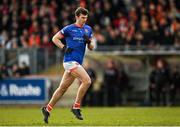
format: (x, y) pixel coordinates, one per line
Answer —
(64, 31)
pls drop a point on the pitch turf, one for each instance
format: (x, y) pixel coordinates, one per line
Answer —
(119, 116)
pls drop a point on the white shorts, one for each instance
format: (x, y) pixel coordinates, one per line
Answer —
(71, 65)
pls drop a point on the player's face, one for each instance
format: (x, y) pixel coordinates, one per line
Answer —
(81, 19)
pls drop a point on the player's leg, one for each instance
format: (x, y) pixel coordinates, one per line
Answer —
(82, 75)
(66, 81)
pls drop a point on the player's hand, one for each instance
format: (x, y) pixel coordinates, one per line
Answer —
(67, 50)
(86, 39)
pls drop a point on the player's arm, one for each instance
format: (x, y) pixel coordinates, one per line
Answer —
(91, 44)
(57, 40)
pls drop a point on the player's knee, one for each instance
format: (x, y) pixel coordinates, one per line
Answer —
(87, 81)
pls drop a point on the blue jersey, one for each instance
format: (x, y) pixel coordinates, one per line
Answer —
(74, 39)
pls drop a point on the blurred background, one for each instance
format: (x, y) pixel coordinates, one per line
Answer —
(136, 61)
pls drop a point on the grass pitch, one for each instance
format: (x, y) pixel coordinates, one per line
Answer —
(119, 116)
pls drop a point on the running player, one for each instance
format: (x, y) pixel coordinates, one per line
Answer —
(77, 36)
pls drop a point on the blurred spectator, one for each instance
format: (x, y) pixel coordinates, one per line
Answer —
(177, 36)
(123, 86)
(101, 40)
(111, 83)
(34, 40)
(3, 38)
(46, 44)
(4, 71)
(159, 83)
(24, 38)
(24, 69)
(175, 85)
(16, 72)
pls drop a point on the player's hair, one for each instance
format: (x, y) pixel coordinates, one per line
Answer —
(81, 10)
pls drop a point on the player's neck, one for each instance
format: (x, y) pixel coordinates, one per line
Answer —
(79, 24)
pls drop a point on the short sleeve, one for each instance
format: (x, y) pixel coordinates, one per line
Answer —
(64, 31)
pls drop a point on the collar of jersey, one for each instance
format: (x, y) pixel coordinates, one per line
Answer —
(78, 25)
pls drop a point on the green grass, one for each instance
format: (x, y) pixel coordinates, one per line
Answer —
(93, 116)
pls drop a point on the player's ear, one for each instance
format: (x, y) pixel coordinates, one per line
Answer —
(76, 17)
